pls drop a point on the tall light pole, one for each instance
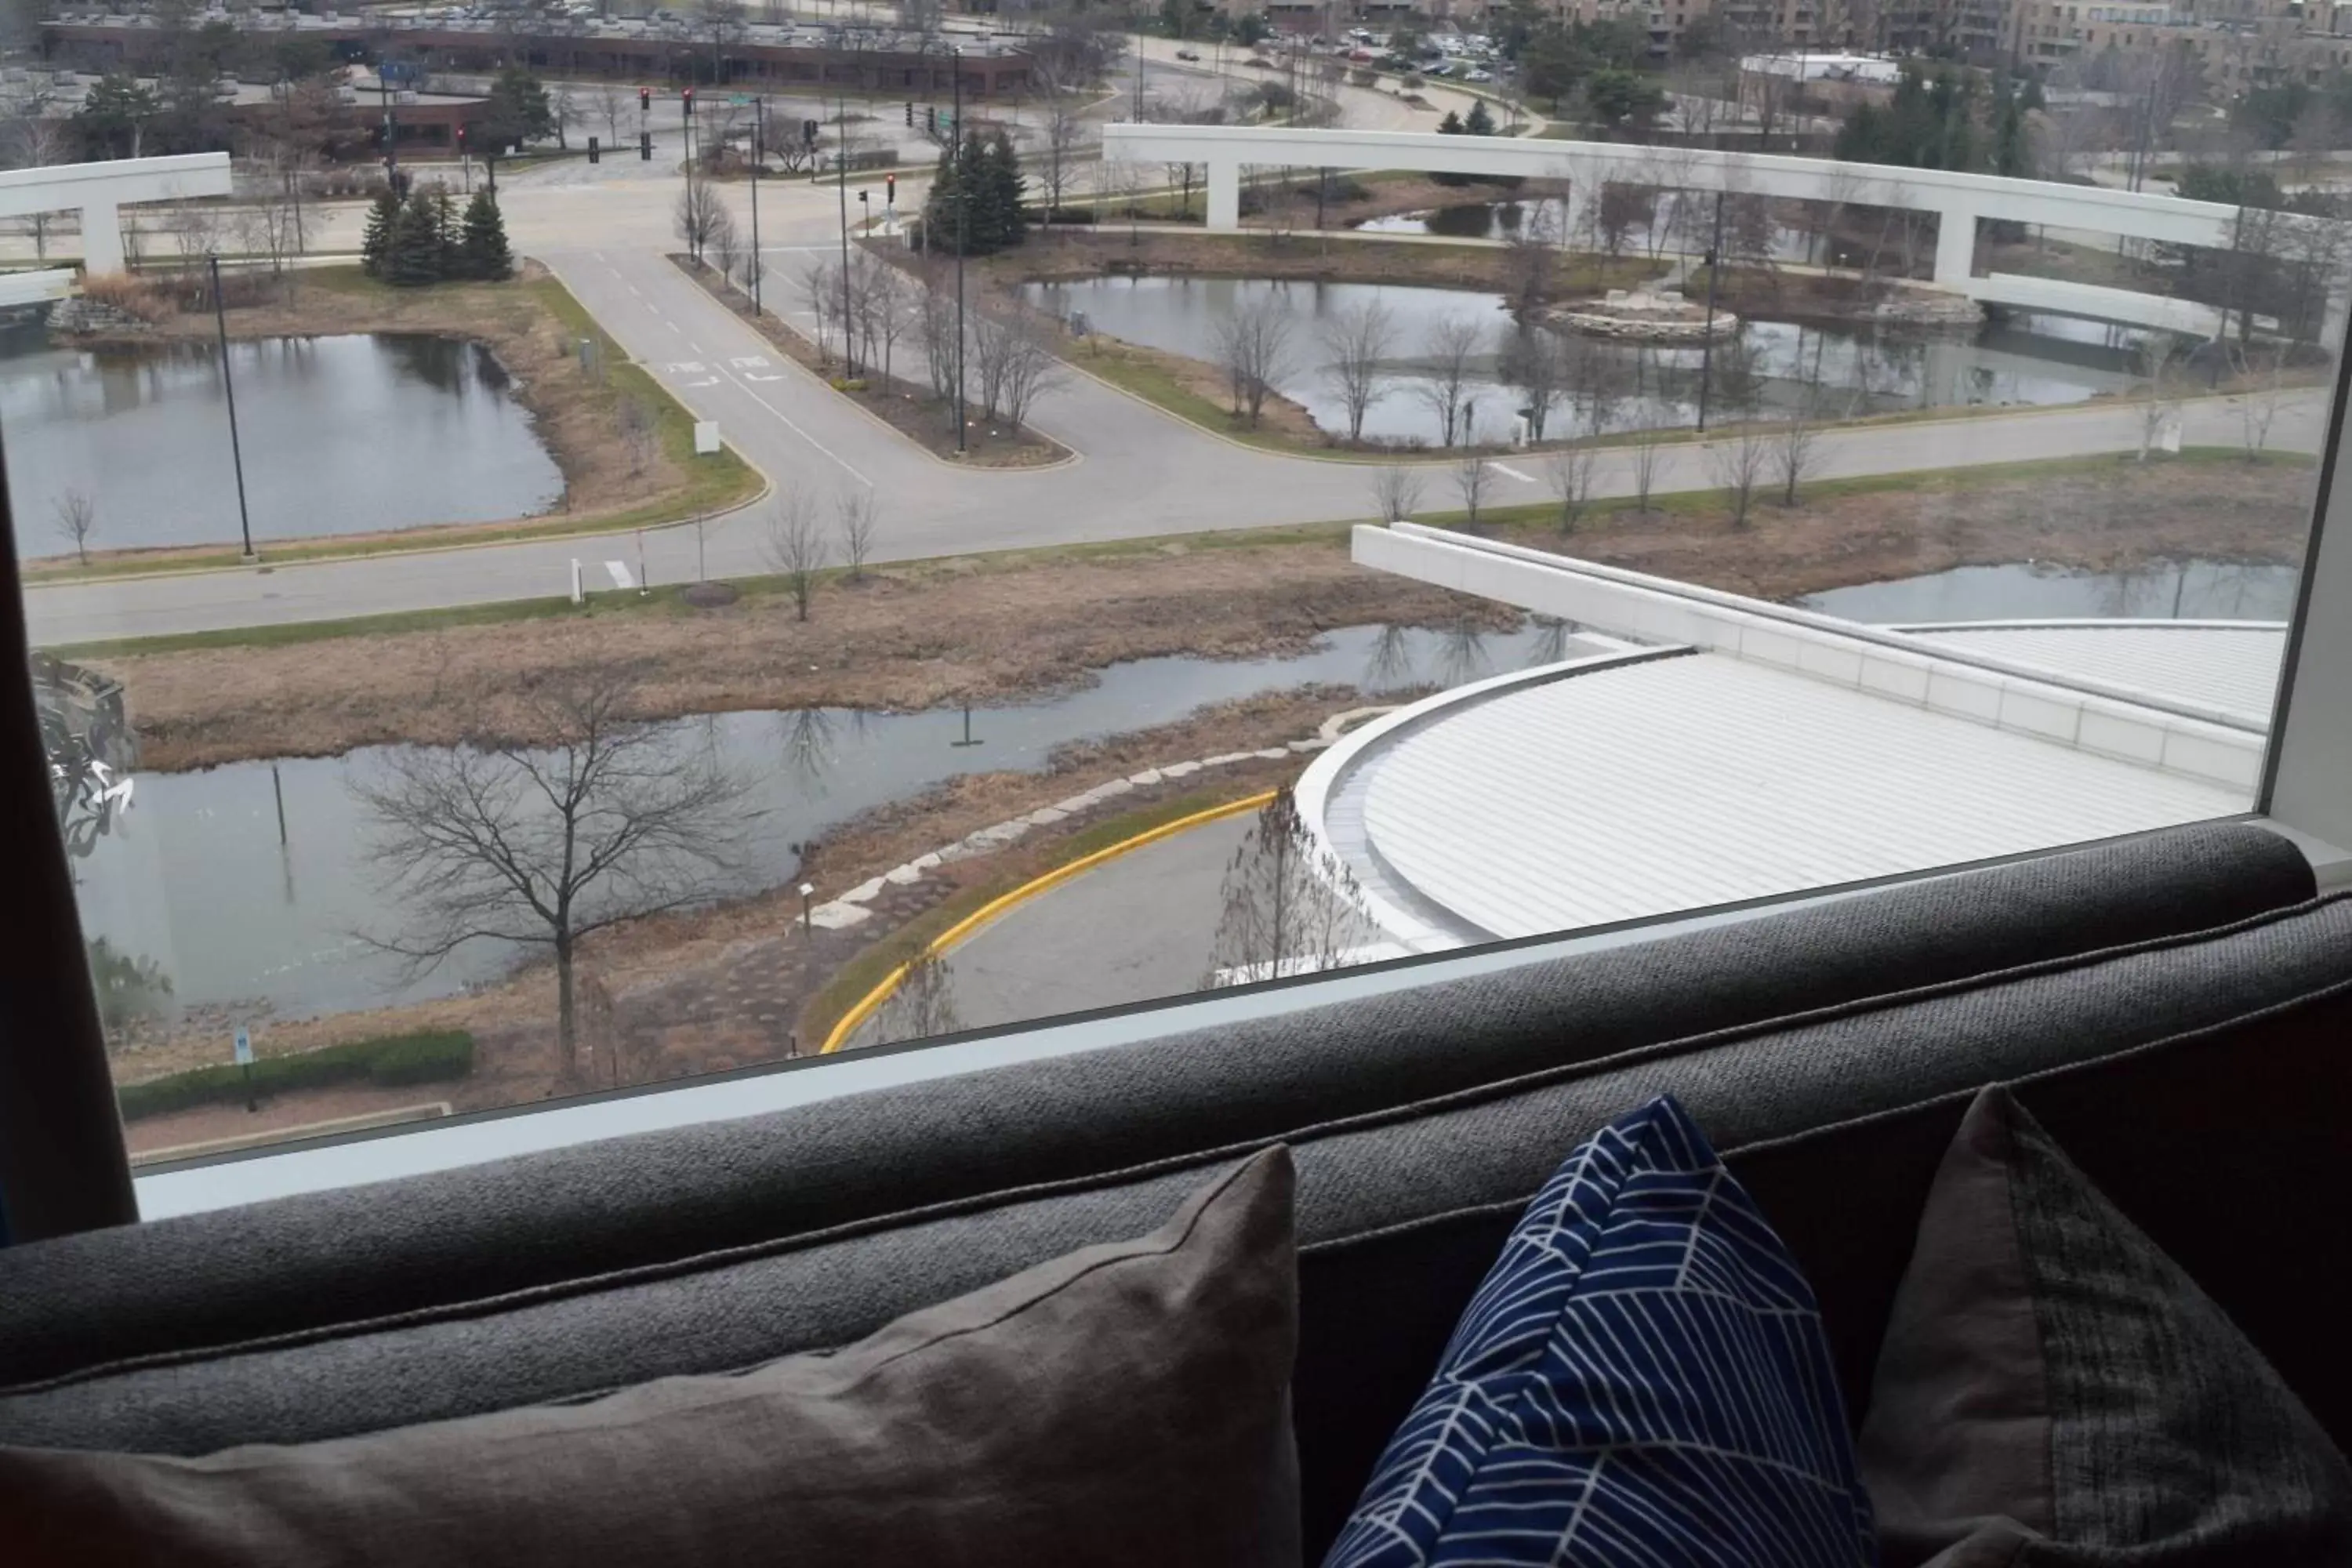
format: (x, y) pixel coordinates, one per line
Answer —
(759, 151)
(228, 385)
(963, 226)
(841, 167)
(1707, 332)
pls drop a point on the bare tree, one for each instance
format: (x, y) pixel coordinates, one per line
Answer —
(935, 327)
(77, 520)
(1793, 446)
(1472, 474)
(820, 289)
(1355, 343)
(1012, 366)
(1572, 470)
(636, 422)
(1450, 352)
(611, 101)
(1289, 906)
(1646, 449)
(1056, 157)
(604, 820)
(2161, 395)
(1396, 491)
(921, 1005)
(695, 218)
(854, 518)
(722, 247)
(1535, 366)
(883, 304)
(2262, 387)
(1741, 461)
(795, 548)
(1254, 348)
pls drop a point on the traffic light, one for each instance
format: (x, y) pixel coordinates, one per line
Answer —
(645, 99)
(889, 190)
(595, 154)
(689, 96)
(809, 129)
(931, 118)
(644, 146)
(461, 140)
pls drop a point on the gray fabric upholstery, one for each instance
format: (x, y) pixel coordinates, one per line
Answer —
(1127, 1403)
(1419, 1122)
(2050, 1373)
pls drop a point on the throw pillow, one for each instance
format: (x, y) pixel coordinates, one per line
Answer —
(1642, 1378)
(1128, 1403)
(2054, 1389)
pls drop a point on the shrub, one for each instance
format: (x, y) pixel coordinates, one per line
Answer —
(392, 1061)
(132, 295)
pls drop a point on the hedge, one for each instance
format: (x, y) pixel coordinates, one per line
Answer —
(391, 1062)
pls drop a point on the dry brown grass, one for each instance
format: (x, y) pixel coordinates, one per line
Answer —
(906, 638)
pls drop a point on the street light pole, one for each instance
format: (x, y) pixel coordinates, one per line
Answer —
(963, 226)
(841, 166)
(759, 151)
(228, 385)
(1706, 330)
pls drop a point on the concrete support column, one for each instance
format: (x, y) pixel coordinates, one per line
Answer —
(1224, 195)
(101, 239)
(1956, 245)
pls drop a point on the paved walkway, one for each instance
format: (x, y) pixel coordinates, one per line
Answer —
(1132, 930)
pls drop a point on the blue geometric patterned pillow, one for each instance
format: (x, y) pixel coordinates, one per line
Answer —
(1642, 1379)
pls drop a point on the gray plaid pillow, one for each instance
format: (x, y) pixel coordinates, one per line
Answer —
(2054, 1389)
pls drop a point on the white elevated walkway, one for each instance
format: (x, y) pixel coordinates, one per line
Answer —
(1959, 201)
(100, 192)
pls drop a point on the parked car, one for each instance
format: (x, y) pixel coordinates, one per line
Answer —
(1188, 55)
(1478, 76)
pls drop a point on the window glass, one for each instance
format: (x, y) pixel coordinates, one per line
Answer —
(517, 612)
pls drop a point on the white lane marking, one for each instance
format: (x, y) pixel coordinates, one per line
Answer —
(695, 346)
(684, 367)
(620, 571)
(671, 325)
(750, 362)
(1511, 473)
(634, 289)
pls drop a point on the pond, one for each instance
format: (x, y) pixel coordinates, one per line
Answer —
(1857, 370)
(341, 435)
(284, 843)
(2192, 589)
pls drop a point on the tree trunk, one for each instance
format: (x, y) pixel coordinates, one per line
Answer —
(567, 1026)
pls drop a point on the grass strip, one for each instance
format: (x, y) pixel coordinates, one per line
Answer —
(391, 1062)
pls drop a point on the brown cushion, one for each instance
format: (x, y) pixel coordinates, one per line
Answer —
(2054, 1389)
(1127, 1403)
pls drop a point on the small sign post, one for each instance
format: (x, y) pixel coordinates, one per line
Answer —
(245, 1065)
(706, 437)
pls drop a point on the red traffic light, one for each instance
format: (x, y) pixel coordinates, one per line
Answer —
(890, 188)
(645, 98)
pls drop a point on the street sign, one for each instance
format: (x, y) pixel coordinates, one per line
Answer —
(737, 99)
(244, 1046)
(706, 437)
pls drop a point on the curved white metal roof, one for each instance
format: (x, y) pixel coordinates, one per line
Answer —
(1681, 783)
(2232, 666)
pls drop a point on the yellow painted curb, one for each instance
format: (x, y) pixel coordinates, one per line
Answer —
(1022, 894)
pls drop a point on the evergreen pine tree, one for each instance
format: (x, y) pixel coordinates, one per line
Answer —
(413, 256)
(1481, 122)
(375, 240)
(986, 233)
(447, 231)
(939, 207)
(1006, 190)
(482, 251)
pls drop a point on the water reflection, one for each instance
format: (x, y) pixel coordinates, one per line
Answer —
(2180, 589)
(1842, 371)
(343, 435)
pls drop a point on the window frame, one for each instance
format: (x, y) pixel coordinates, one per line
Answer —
(64, 1167)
